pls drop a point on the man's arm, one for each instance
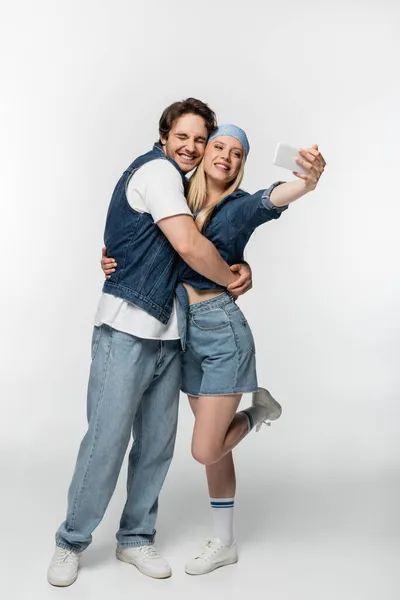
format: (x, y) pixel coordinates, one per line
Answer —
(157, 188)
(161, 190)
(195, 249)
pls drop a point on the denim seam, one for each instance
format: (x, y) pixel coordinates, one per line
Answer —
(171, 260)
(160, 359)
(135, 544)
(97, 343)
(236, 230)
(190, 347)
(266, 200)
(121, 268)
(160, 249)
(224, 393)
(139, 454)
(237, 353)
(210, 304)
(253, 346)
(95, 438)
(128, 176)
(194, 310)
(217, 328)
(131, 294)
(68, 547)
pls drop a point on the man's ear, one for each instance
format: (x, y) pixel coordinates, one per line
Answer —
(163, 139)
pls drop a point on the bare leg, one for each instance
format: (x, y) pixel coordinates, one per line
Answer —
(221, 481)
(218, 428)
(221, 478)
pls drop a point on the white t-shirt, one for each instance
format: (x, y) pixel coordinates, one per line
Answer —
(155, 188)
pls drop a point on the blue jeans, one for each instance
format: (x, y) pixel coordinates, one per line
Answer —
(133, 383)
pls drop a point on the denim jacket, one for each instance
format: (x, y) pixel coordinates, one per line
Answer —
(148, 266)
(230, 227)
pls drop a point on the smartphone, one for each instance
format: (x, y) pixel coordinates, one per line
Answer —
(285, 157)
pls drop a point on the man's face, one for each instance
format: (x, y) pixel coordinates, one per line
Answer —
(186, 141)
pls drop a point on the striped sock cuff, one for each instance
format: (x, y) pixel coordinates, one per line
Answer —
(222, 502)
(249, 417)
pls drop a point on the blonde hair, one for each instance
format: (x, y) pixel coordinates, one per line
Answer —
(197, 195)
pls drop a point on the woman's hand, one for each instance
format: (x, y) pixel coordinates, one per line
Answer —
(286, 193)
(107, 264)
(314, 162)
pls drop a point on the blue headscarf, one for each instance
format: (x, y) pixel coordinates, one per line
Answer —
(235, 132)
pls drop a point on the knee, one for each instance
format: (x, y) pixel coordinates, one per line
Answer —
(205, 455)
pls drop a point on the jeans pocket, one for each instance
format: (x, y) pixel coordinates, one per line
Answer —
(95, 340)
(211, 320)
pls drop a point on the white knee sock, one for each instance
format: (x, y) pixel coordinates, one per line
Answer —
(254, 414)
(222, 510)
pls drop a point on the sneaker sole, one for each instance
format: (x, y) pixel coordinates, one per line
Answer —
(57, 583)
(122, 557)
(274, 403)
(223, 563)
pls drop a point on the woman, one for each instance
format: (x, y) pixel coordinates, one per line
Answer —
(219, 358)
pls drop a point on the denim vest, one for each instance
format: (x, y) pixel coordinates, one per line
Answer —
(147, 272)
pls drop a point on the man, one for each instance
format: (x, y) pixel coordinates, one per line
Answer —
(135, 372)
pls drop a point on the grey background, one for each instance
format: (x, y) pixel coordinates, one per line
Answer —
(83, 85)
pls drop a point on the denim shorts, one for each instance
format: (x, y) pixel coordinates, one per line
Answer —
(220, 355)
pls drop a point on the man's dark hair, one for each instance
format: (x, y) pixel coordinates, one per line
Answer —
(190, 106)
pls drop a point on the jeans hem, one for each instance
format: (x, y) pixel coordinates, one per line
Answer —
(224, 393)
(68, 547)
(135, 544)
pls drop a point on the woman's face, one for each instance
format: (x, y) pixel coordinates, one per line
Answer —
(223, 159)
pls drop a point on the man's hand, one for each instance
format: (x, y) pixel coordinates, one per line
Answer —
(243, 283)
(107, 264)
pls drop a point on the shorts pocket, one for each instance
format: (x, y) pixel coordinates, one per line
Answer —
(211, 320)
(243, 334)
(249, 335)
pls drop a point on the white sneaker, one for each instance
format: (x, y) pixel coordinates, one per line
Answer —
(263, 398)
(213, 556)
(146, 559)
(63, 569)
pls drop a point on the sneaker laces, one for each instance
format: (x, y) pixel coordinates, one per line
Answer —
(149, 551)
(261, 423)
(65, 556)
(210, 549)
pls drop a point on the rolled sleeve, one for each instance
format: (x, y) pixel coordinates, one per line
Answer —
(252, 210)
(266, 200)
